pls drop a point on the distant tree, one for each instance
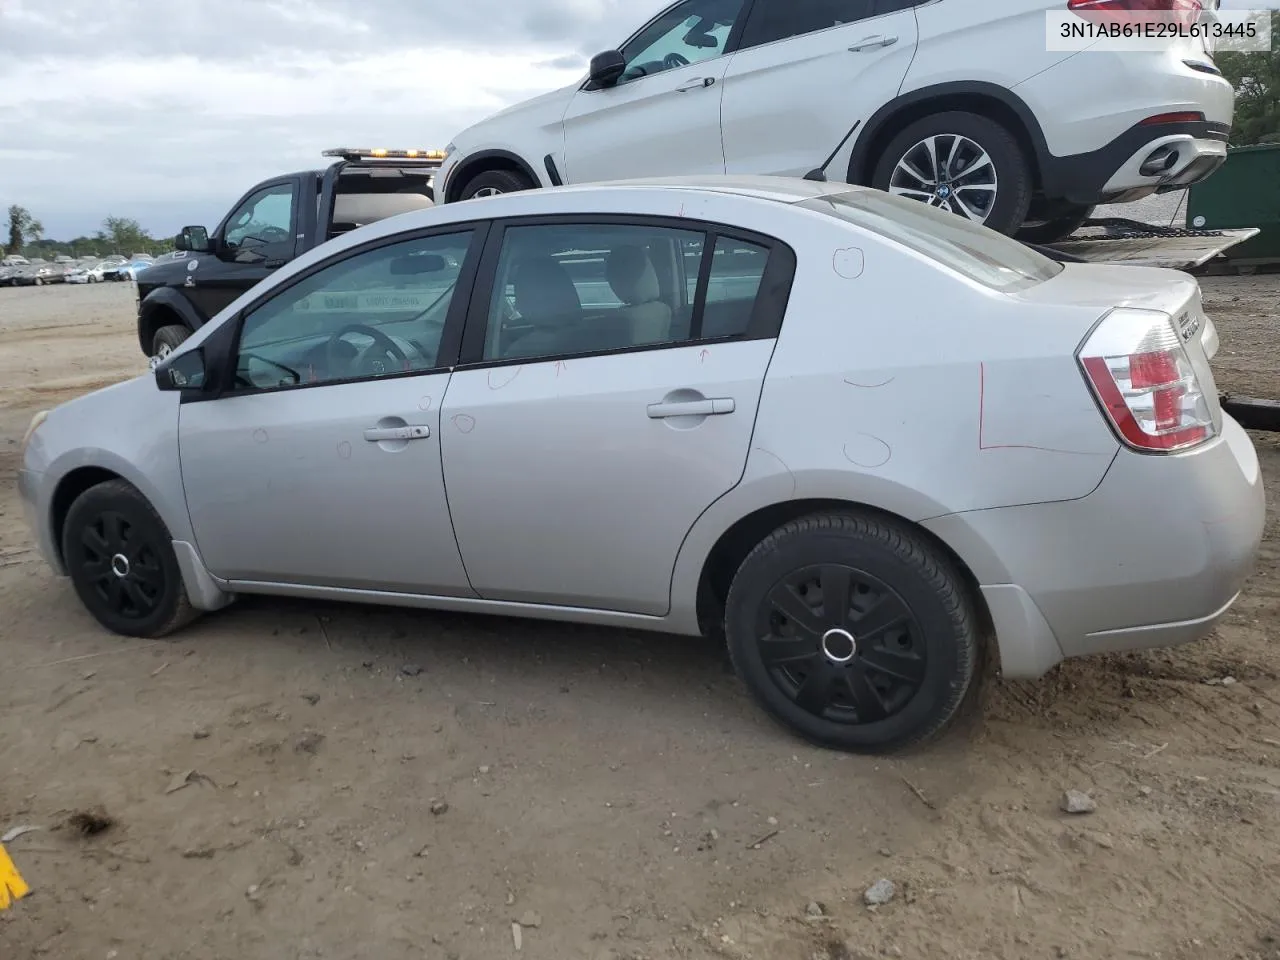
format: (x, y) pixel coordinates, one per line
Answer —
(23, 229)
(1256, 77)
(125, 235)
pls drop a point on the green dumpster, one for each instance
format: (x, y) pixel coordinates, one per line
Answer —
(1245, 192)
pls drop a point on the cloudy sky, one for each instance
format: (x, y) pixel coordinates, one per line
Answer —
(168, 110)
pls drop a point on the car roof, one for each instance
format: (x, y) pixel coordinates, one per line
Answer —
(779, 189)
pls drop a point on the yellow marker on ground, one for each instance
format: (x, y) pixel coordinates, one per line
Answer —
(12, 886)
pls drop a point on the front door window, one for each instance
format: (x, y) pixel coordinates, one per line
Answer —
(262, 227)
(689, 33)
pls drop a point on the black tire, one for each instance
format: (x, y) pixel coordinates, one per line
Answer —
(1059, 228)
(498, 181)
(168, 339)
(854, 705)
(142, 597)
(1008, 211)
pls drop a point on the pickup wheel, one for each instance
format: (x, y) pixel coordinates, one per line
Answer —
(493, 183)
(168, 339)
(963, 163)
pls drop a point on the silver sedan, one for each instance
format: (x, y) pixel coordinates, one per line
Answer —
(869, 444)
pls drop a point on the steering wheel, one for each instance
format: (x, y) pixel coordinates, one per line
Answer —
(385, 354)
(673, 60)
(273, 235)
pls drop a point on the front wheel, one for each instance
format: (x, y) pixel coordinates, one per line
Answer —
(121, 561)
(854, 632)
(963, 163)
(493, 183)
(168, 339)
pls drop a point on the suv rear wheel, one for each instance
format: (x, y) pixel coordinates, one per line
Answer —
(492, 183)
(855, 632)
(1066, 221)
(961, 162)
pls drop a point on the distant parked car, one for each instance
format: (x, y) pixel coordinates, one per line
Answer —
(113, 267)
(82, 272)
(130, 270)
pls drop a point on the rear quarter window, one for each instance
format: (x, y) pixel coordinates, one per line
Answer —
(970, 249)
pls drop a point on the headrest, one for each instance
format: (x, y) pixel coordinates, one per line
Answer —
(631, 275)
(544, 291)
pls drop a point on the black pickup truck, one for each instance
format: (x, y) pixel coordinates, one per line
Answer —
(275, 222)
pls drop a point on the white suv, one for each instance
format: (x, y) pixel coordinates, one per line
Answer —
(958, 103)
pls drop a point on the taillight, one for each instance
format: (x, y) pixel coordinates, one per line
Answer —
(1133, 11)
(1139, 369)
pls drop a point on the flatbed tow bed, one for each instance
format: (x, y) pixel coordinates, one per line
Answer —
(1121, 241)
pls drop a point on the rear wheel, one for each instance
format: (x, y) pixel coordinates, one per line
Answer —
(121, 561)
(168, 339)
(493, 183)
(1066, 221)
(854, 632)
(961, 162)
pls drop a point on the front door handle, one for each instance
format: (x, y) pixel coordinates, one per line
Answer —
(700, 84)
(866, 43)
(408, 432)
(691, 408)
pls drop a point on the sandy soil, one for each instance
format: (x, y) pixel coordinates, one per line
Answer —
(618, 792)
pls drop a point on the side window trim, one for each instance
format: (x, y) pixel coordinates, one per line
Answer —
(451, 338)
(760, 6)
(730, 45)
(766, 315)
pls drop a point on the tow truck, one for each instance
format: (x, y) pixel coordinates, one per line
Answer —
(275, 222)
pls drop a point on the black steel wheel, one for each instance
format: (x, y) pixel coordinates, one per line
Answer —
(120, 558)
(855, 632)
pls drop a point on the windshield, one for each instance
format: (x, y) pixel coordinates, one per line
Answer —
(968, 248)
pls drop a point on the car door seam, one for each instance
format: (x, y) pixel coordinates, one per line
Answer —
(746, 462)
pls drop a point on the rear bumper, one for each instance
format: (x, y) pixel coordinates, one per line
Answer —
(1141, 161)
(1155, 557)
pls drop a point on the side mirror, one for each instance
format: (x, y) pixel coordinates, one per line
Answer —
(606, 68)
(182, 372)
(195, 239)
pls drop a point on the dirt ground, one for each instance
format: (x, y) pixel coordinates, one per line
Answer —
(272, 774)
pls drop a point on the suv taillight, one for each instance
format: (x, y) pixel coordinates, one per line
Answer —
(1140, 372)
(1180, 11)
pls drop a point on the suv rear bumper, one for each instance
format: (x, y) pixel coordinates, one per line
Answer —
(1174, 155)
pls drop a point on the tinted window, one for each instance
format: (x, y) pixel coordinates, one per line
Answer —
(262, 226)
(377, 313)
(967, 247)
(691, 32)
(590, 288)
(737, 270)
(779, 19)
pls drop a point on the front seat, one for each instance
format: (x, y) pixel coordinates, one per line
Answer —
(546, 300)
(634, 281)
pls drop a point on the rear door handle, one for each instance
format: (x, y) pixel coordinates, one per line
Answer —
(700, 84)
(383, 434)
(866, 43)
(692, 408)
